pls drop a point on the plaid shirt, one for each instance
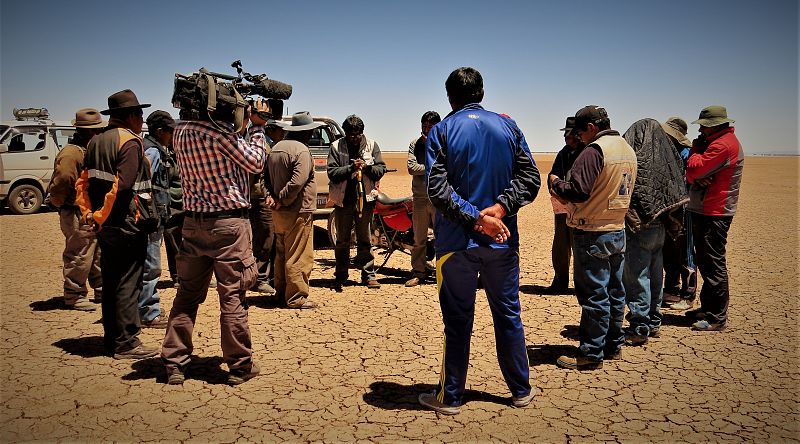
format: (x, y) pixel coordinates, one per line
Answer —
(214, 165)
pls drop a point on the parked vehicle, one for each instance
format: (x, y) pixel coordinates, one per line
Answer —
(28, 148)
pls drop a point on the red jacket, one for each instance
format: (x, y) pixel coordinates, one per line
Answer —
(721, 158)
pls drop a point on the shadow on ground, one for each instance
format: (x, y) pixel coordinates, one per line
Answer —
(571, 332)
(547, 354)
(677, 320)
(394, 396)
(85, 347)
(541, 290)
(203, 369)
(54, 303)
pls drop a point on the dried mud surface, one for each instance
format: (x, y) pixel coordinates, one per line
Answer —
(351, 370)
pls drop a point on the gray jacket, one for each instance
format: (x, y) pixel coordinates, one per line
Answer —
(291, 175)
(416, 168)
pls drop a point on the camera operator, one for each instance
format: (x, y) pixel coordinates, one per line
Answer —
(215, 162)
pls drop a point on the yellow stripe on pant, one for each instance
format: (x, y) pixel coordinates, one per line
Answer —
(439, 264)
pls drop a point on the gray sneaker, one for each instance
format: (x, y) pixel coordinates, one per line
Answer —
(140, 352)
(264, 288)
(523, 401)
(82, 304)
(175, 375)
(429, 400)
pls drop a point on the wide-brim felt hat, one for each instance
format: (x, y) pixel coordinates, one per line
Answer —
(568, 126)
(88, 118)
(124, 99)
(713, 115)
(302, 121)
(677, 128)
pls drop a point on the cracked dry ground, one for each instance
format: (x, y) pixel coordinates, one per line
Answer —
(352, 369)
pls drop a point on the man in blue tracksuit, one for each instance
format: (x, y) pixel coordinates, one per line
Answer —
(480, 173)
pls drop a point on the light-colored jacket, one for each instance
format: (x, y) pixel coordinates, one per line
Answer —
(339, 157)
(416, 168)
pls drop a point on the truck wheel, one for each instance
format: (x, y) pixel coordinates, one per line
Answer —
(25, 199)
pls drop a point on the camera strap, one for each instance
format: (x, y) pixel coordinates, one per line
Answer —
(211, 106)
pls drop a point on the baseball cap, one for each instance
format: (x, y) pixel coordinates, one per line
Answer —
(590, 114)
(159, 119)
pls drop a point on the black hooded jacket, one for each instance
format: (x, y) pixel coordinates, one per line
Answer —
(660, 183)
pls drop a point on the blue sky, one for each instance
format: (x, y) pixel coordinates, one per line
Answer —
(387, 61)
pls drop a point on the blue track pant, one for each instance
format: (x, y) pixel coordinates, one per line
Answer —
(457, 280)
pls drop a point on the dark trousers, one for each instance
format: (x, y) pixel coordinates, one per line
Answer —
(263, 239)
(680, 273)
(457, 279)
(122, 267)
(561, 252)
(710, 239)
(345, 218)
(172, 241)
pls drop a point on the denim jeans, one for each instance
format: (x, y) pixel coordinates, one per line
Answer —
(150, 300)
(599, 260)
(643, 278)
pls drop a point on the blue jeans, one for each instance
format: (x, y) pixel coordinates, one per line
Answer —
(599, 260)
(643, 279)
(149, 300)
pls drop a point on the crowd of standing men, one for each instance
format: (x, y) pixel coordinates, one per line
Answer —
(238, 206)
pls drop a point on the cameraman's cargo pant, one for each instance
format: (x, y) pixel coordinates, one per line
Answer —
(457, 280)
(220, 247)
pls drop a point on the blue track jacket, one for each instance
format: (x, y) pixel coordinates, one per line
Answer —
(476, 158)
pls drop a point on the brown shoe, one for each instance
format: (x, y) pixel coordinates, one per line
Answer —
(413, 282)
(159, 321)
(373, 283)
(578, 363)
(238, 376)
(307, 305)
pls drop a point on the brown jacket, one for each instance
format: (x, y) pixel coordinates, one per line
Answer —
(66, 169)
(290, 170)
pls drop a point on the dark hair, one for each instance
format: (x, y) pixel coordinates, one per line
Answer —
(464, 85)
(353, 122)
(431, 117)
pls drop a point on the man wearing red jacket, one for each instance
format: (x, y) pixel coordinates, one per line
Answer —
(714, 172)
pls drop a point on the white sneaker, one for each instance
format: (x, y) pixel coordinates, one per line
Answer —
(429, 400)
(523, 401)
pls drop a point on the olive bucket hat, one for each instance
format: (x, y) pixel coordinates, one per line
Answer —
(713, 115)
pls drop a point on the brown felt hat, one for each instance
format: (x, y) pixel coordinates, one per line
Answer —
(124, 99)
(88, 118)
(569, 126)
(677, 128)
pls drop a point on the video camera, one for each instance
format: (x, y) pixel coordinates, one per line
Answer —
(214, 97)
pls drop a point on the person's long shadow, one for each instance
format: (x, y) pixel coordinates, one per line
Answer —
(541, 290)
(265, 302)
(677, 320)
(86, 347)
(571, 332)
(54, 303)
(208, 369)
(541, 354)
(394, 396)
